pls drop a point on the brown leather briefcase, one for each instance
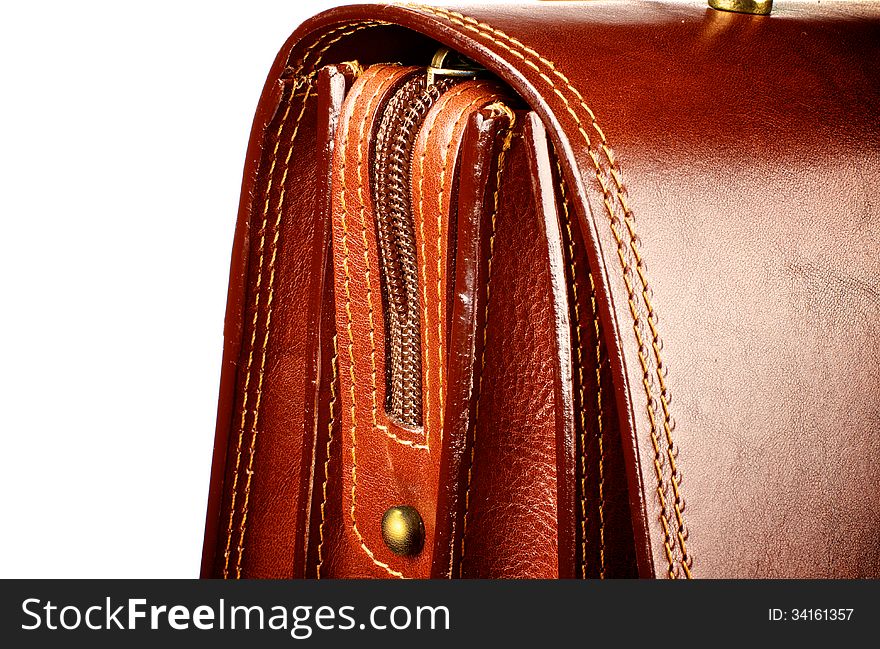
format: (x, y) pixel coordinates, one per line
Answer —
(558, 289)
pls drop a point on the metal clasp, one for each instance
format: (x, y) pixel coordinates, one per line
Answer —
(447, 63)
(756, 7)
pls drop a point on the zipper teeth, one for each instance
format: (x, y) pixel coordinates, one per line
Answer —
(395, 139)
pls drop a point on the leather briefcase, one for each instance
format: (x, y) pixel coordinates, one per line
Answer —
(558, 290)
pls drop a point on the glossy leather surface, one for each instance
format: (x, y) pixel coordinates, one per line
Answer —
(384, 463)
(512, 509)
(723, 172)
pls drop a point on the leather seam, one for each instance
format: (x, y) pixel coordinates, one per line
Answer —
(326, 41)
(600, 431)
(685, 560)
(346, 270)
(334, 364)
(499, 171)
(253, 338)
(580, 366)
(369, 287)
(331, 407)
(442, 104)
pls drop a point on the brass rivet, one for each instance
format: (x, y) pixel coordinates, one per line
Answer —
(403, 530)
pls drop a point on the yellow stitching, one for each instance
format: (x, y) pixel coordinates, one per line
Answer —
(352, 373)
(449, 568)
(447, 98)
(424, 288)
(580, 365)
(249, 471)
(441, 298)
(357, 70)
(599, 409)
(600, 429)
(499, 171)
(332, 420)
(363, 207)
(253, 338)
(686, 560)
(345, 31)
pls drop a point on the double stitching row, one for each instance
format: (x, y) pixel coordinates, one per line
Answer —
(251, 345)
(349, 319)
(327, 40)
(582, 410)
(331, 407)
(444, 101)
(498, 37)
(362, 204)
(580, 366)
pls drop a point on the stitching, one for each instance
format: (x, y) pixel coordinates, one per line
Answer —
(263, 349)
(332, 420)
(334, 364)
(251, 344)
(599, 408)
(346, 269)
(449, 568)
(599, 427)
(665, 396)
(580, 364)
(499, 171)
(686, 560)
(281, 202)
(340, 33)
(445, 100)
(370, 310)
(440, 294)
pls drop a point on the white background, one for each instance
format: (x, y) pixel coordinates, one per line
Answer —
(123, 129)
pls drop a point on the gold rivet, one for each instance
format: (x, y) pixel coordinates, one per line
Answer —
(403, 530)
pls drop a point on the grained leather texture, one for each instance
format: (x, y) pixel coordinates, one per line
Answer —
(721, 172)
(469, 312)
(511, 513)
(323, 514)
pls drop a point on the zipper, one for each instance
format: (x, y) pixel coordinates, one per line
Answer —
(392, 157)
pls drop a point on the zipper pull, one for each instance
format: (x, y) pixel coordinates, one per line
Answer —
(447, 63)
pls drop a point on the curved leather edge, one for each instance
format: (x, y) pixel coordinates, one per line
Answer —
(441, 29)
(460, 31)
(456, 31)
